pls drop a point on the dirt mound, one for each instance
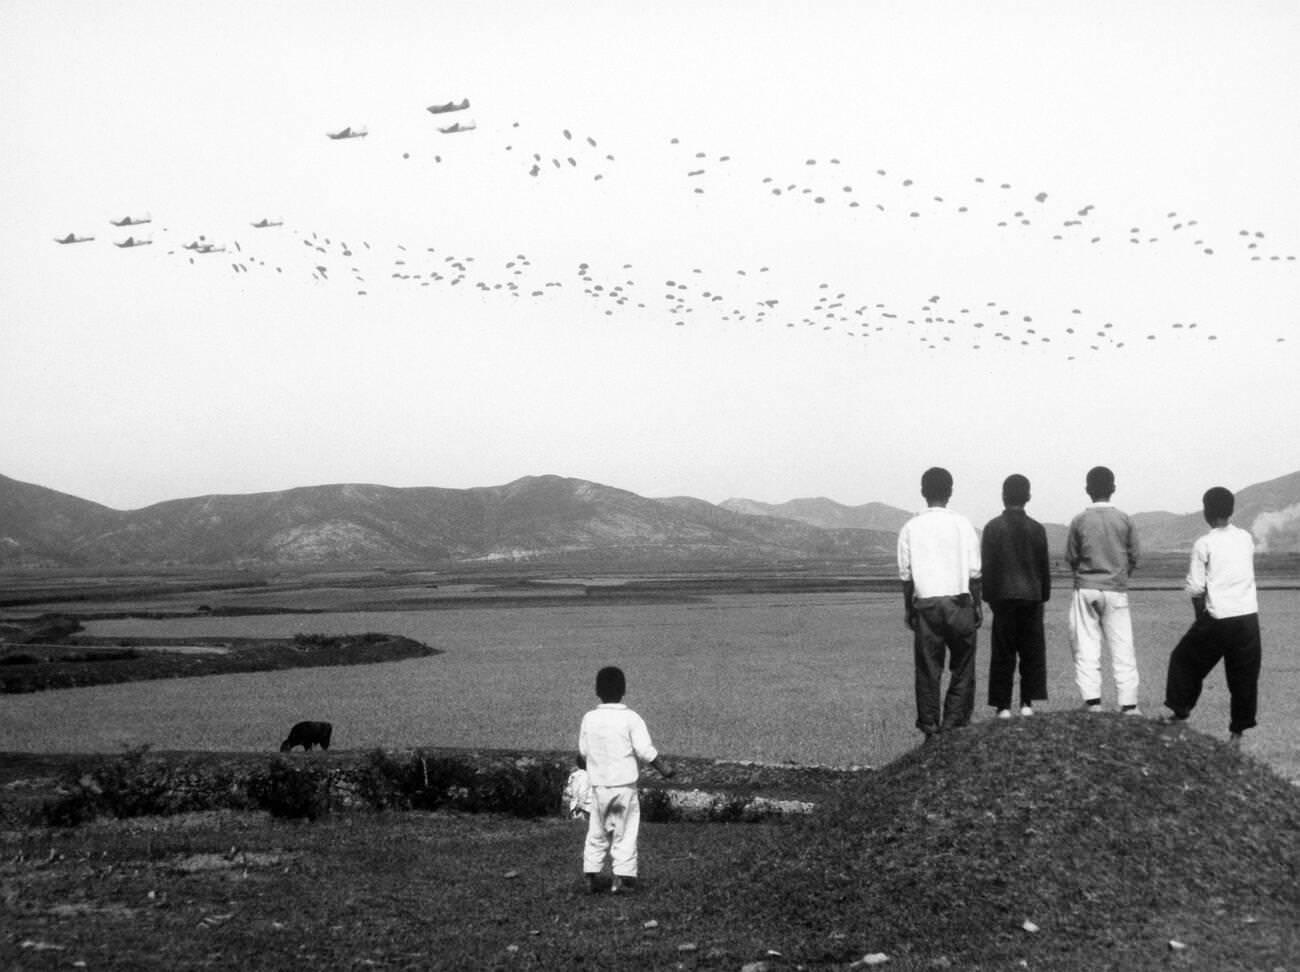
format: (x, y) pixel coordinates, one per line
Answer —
(1099, 831)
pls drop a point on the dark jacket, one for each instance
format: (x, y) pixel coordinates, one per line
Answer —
(1013, 551)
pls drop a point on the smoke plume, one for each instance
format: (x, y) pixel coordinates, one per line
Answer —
(1278, 531)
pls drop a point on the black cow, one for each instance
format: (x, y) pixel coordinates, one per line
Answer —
(307, 735)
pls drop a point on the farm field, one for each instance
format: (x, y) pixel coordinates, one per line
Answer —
(818, 677)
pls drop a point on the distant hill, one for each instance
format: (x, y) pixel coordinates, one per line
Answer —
(536, 518)
(1270, 510)
(39, 525)
(833, 543)
(826, 513)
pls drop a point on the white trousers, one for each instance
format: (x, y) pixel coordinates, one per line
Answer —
(1097, 617)
(612, 830)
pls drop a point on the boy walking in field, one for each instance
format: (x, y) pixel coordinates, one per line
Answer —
(1221, 581)
(939, 565)
(1102, 550)
(612, 741)
(1017, 581)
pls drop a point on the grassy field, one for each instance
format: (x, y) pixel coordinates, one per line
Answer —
(1065, 842)
(803, 677)
(1070, 842)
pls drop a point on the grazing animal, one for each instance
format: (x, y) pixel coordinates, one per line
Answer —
(307, 735)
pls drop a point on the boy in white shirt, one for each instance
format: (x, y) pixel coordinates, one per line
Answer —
(939, 565)
(612, 742)
(1221, 581)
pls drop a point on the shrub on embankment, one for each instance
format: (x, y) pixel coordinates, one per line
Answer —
(303, 786)
(140, 783)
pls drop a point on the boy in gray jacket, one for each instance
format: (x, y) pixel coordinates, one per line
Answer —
(1102, 550)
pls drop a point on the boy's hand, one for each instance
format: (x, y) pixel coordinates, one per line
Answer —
(666, 771)
(1198, 606)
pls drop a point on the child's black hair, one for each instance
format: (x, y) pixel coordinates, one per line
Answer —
(936, 484)
(1015, 490)
(1100, 483)
(1218, 503)
(611, 685)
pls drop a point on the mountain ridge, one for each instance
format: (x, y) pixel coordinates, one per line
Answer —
(1270, 510)
(551, 518)
(547, 518)
(826, 513)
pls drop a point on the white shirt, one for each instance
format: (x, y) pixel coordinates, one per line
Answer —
(1223, 569)
(612, 739)
(939, 553)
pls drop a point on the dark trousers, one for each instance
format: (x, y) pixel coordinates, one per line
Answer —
(1017, 637)
(945, 630)
(1236, 641)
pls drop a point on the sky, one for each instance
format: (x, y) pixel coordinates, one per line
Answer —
(745, 249)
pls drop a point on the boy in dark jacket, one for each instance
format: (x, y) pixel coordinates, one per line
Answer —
(1017, 582)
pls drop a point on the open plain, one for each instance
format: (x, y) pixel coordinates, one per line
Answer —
(1071, 842)
(764, 666)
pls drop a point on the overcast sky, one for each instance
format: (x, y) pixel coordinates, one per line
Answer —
(1073, 243)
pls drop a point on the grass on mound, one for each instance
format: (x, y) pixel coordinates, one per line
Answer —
(1112, 835)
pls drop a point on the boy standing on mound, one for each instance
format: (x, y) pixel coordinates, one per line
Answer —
(1017, 581)
(611, 741)
(939, 565)
(1221, 581)
(1102, 550)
